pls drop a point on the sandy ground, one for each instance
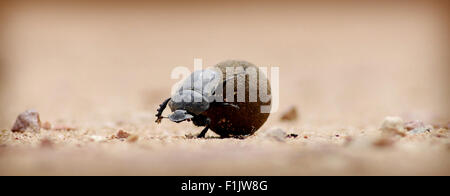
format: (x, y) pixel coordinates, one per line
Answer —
(101, 68)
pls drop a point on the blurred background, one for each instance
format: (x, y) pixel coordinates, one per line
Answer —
(92, 68)
(344, 63)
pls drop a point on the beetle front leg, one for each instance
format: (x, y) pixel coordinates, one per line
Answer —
(203, 133)
(160, 110)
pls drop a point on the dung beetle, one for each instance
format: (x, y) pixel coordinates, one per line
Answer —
(200, 100)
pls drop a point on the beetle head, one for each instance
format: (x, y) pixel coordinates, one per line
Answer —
(190, 101)
(180, 115)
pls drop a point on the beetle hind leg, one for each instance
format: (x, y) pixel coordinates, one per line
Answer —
(160, 110)
(203, 133)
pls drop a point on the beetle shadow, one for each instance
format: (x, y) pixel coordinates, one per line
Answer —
(240, 137)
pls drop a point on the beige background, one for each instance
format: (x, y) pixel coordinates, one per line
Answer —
(105, 66)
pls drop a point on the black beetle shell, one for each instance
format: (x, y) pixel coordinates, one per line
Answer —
(229, 121)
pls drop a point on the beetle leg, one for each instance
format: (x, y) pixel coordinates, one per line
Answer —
(203, 133)
(160, 110)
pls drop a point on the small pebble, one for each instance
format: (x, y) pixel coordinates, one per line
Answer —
(422, 129)
(384, 142)
(290, 114)
(28, 120)
(292, 135)
(410, 125)
(190, 136)
(276, 134)
(122, 134)
(46, 125)
(393, 125)
(132, 138)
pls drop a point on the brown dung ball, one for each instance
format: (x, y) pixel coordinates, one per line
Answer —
(248, 118)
